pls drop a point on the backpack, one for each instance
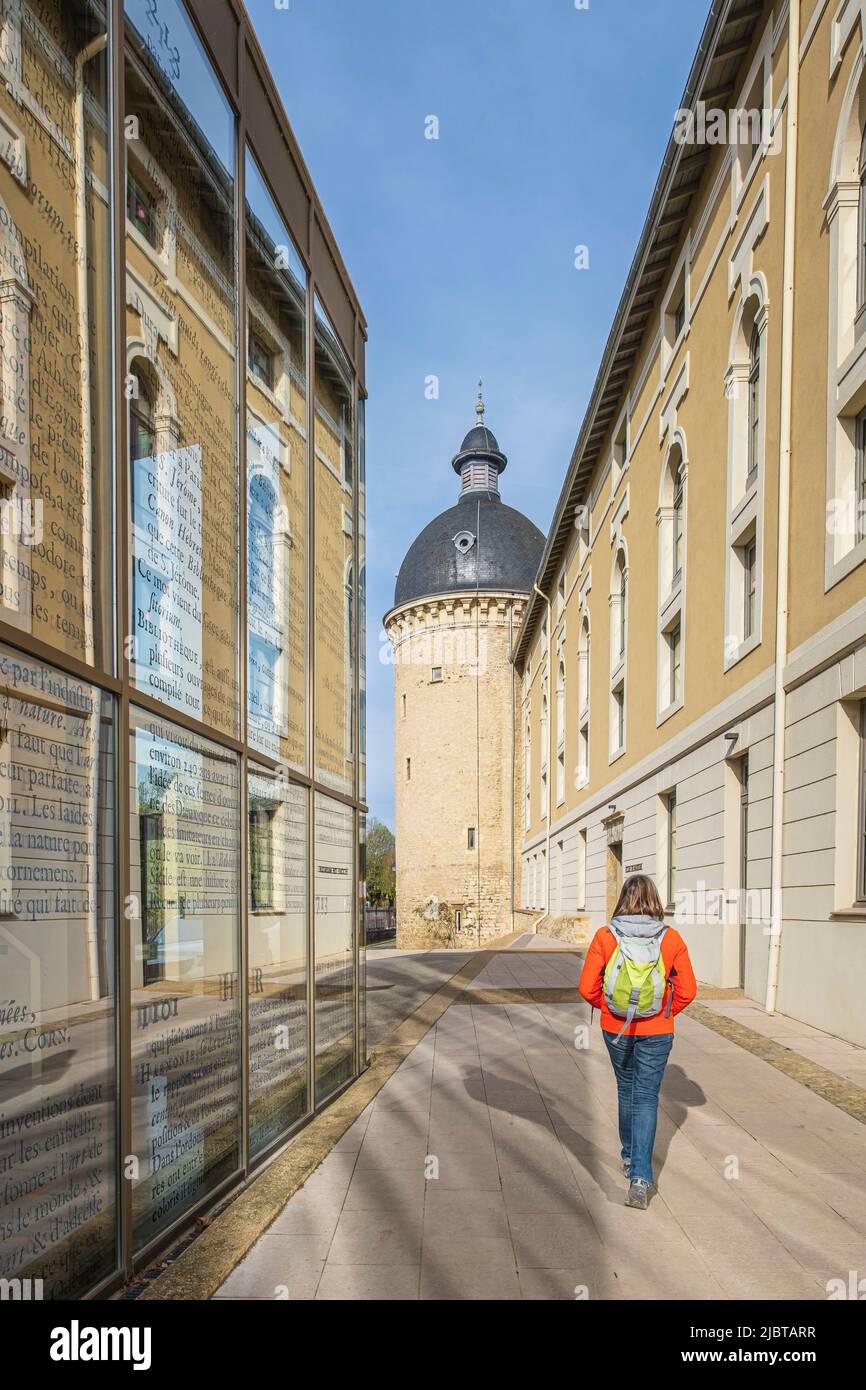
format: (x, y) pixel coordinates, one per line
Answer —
(634, 978)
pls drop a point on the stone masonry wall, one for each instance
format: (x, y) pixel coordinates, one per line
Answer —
(458, 735)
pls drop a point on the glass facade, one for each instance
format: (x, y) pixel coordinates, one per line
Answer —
(181, 641)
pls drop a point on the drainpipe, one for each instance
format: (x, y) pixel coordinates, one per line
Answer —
(545, 599)
(512, 814)
(95, 47)
(779, 701)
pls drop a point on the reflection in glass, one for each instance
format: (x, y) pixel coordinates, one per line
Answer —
(362, 939)
(334, 975)
(56, 566)
(335, 573)
(181, 327)
(276, 427)
(57, 1003)
(184, 839)
(362, 599)
(278, 813)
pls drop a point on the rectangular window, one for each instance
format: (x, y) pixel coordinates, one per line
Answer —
(58, 1084)
(277, 486)
(672, 848)
(860, 478)
(408, 769)
(750, 586)
(141, 209)
(675, 646)
(335, 595)
(184, 841)
(861, 235)
(581, 870)
(262, 811)
(436, 675)
(185, 579)
(619, 719)
(583, 762)
(261, 360)
(679, 317)
(334, 928)
(56, 379)
(470, 837)
(278, 817)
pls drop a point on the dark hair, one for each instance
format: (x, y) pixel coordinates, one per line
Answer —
(639, 897)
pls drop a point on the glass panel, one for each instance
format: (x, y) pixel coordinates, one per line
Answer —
(276, 401)
(335, 577)
(57, 959)
(362, 600)
(181, 368)
(278, 819)
(334, 974)
(362, 940)
(55, 328)
(184, 842)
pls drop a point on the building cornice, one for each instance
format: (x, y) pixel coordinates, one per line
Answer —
(432, 604)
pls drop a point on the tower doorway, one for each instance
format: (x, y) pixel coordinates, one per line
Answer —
(614, 864)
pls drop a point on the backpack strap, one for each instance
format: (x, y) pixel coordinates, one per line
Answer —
(633, 999)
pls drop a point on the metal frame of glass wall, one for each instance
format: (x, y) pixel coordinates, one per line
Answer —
(221, 28)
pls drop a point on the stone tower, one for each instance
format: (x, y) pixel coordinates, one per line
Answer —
(458, 605)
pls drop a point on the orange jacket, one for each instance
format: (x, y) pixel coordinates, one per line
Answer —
(675, 956)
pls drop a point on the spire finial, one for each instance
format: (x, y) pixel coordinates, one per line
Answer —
(479, 406)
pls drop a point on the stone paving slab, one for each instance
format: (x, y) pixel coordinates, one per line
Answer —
(487, 1167)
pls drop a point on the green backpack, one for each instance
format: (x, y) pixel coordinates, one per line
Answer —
(634, 978)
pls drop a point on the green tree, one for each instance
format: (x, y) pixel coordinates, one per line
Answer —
(380, 865)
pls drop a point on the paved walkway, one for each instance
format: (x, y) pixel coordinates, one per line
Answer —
(398, 981)
(487, 1168)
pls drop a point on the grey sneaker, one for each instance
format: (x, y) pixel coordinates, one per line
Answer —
(638, 1194)
(626, 1168)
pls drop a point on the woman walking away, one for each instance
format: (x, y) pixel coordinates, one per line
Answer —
(638, 972)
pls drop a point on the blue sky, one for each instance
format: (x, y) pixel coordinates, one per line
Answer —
(552, 125)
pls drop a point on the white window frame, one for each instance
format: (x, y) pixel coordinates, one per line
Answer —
(845, 537)
(618, 651)
(671, 582)
(745, 491)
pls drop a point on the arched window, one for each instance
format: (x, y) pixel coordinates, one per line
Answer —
(582, 775)
(583, 666)
(544, 752)
(671, 517)
(142, 434)
(845, 533)
(754, 418)
(623, 607)
(677, 548)
(560, 733)
(861, 226)
(619, 635)
(746, 389)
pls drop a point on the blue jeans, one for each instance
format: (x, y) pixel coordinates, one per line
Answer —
(639, 1065)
